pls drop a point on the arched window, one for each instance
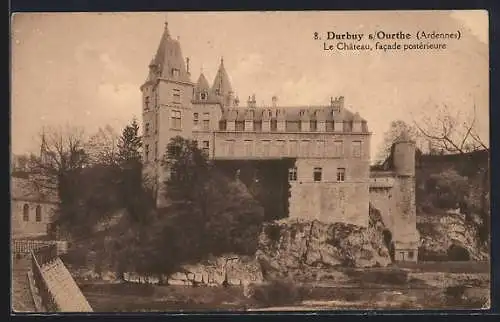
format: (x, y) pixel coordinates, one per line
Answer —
(26, 212)
(38, 213)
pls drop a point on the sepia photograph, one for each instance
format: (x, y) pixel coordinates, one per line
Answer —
(250, 161)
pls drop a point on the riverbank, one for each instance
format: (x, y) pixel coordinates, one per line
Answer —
(451, 285)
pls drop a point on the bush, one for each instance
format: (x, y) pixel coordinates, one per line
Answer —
(278, 292)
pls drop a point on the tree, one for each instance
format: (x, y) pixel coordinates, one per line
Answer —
(206, 213)
(136, 198)
(58, 169)
(456, 133)
(396, 129)
(102, 147)
(451, 132)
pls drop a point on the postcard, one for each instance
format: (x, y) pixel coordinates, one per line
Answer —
(250, 161)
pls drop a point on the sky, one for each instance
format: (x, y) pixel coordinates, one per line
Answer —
(85, 69)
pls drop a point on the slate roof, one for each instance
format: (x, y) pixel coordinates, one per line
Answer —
(27, 189)
(291, 113)
(168, 57)
(221, 81)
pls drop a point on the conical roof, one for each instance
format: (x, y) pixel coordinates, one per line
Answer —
(168, 60)
(202, 83)
(222, 85)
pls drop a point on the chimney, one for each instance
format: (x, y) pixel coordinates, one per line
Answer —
(341, 101)
(275, 101)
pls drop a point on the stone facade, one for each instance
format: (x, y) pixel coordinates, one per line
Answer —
(330, 144)
(392, 192)
(31, 211)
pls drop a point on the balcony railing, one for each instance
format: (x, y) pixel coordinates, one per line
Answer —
(40, 257)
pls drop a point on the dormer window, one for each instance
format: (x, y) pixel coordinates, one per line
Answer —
(175, 72)
(217, 92)
(203, 96)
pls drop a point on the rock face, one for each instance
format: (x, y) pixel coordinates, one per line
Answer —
(439, 233)
(240, 270)
(292, 244)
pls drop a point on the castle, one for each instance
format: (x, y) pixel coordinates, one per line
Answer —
(329, 177)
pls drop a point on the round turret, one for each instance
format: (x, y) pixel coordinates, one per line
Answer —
(403, 153)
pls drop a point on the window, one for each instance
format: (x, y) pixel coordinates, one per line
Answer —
(304, 148)
(281, 147)
(317, 174)
(410, 255)
(38, 213)
(176, 95)
(175, 72)
(356, 149)
(157, 122)
(222, 125)
(206, 147)
(195, 119)
(265, 147)
(217, 92)
(26, 212)
(239, 126)
(156, 150)
(341, 174)
(314, 126)
(203, 96)
(320, 146)
(146, 102)
(248, 147)
(339, 148)
(146, 129)
(292, 174)
(146, 153)
(206, 121)
(274, 125)
(176, 120)
(293, 147)
(230, 147)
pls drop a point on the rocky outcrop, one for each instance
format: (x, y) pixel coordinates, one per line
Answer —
(440, 233)
(236, 270)
(293, 244)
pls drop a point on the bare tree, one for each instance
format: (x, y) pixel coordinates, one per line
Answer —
(61, 152)
(452, 132)
(396, 129)
(102, 147)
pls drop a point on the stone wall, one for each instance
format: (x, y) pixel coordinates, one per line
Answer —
(31, 227)
(329, 200)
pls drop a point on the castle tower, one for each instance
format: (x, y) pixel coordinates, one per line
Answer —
(202, 89)
(166, 111)
(405, 234)
(221, 87)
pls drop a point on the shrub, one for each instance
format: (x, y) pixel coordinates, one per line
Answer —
(278, 292)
